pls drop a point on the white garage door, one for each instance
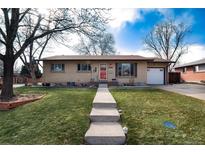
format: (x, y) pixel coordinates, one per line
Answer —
(155, 76)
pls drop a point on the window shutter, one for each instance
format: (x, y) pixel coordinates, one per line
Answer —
(52, 67)
(89, 67)
(135, 67)
(116, 69)
(78, 67)
(63, 67)
(194, 68)
(132, 67)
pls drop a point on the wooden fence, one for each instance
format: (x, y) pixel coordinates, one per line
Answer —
(174, 77)
(19, 79)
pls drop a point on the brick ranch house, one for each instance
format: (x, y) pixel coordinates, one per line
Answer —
(192, 72)
(120, 69)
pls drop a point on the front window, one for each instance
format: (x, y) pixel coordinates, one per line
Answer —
(57, 67)
(126, 69)
(84, 67)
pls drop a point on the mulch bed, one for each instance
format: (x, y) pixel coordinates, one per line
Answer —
(20, 100)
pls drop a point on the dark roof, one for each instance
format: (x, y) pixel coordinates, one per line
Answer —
(162, 60)
(201, 61)
(104, 57)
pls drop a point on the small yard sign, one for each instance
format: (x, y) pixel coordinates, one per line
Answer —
(169, 124)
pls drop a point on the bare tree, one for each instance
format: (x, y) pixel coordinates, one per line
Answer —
(166, 41)
(19, 28)
(101, 44)
(1, 68)
(32, 54)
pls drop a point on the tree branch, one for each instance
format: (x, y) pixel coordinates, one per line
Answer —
(3, 42)
(6, 18)
(44, 46)
(3, 34)
(28, 40)
(1, 57)
(24, 14)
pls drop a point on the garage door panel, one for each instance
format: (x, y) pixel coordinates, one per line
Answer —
(155, 76)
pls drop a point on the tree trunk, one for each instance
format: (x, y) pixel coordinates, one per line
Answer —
(33, 76)
(7, 87)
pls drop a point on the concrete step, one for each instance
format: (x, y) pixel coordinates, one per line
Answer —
(104, 105)
(104, 99)
(102, 85)
(104, 115)
(105, 133)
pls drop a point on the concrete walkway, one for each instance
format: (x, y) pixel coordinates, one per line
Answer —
(105, 127)
(193, 90)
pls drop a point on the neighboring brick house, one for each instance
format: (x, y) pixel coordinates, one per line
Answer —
(192, 72)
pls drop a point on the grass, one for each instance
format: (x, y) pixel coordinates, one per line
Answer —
(61, 117)
(145, 111)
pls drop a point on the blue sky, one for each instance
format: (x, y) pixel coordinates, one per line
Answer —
(131, 35)
(131, 26)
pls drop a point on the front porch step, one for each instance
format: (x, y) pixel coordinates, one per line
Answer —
(105, 133)
(104, 115)
(102, 86)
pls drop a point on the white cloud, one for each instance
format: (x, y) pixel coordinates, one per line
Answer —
(60, 50)
(121, 16)
(196, 52)
(57, 48)
(186, 18)
(140, 52)
(167, 13)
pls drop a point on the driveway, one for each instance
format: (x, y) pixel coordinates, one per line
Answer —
(193, 90)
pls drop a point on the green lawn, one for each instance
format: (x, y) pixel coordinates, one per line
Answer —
(145, 110)
(61, 117)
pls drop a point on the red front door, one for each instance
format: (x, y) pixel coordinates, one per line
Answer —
(103, 72)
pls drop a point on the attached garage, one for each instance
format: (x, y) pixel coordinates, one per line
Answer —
(155, 76)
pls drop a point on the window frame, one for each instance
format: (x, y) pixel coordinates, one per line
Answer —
(124, 69)
(53, 68)
(120, 69)
(88, 67)
(202, 70)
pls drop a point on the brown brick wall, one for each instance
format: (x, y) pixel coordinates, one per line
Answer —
(190, 76)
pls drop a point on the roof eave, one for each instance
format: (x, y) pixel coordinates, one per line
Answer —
(95, 59)
(189, 65)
